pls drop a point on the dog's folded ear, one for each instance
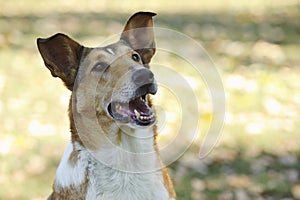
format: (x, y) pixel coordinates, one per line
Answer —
(61, 55)
(139, 34)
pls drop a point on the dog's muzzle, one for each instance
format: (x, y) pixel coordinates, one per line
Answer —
(137, 109)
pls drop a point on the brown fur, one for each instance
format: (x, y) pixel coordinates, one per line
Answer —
(72, 62)
(71, 193)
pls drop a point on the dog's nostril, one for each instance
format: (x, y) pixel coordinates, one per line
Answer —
(142, 77)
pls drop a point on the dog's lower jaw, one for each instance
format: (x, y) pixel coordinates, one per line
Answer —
(81, 176)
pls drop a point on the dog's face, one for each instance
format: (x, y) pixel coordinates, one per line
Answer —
(120, 83)
(114, 79)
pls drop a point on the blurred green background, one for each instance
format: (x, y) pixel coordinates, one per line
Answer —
(254, 44)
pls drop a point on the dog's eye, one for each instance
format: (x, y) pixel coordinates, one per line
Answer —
(100, 67)
(136, 57)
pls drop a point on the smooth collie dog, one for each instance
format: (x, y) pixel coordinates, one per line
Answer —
(112, 154)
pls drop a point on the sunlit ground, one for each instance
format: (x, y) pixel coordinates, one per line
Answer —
(255, 47)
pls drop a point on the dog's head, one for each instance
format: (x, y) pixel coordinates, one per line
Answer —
(115, 78)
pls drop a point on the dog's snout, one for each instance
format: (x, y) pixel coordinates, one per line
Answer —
(142, 77)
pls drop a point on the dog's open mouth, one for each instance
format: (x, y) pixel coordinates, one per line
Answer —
(136, 110)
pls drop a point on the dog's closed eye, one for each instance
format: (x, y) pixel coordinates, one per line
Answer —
(100, 67)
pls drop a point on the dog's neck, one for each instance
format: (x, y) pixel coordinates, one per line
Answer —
(112, 173)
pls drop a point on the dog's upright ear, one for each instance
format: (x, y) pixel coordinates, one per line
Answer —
(61, 56)
(139, 34)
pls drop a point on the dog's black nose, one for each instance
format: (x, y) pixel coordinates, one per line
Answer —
(142, 77)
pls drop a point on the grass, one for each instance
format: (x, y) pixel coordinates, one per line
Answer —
(255, 48)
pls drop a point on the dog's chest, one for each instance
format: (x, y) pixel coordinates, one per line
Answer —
(110, 184)
(128, 179)
(107, 183)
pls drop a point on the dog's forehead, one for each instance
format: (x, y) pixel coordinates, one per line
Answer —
(106, 54)
(118, 48)
(109, 52)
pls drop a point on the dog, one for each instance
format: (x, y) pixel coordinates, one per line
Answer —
(112, 154)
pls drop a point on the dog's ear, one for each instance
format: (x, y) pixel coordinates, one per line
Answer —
(139, 34)
(61, 56)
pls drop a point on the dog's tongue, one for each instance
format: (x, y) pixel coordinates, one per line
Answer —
(141, 106)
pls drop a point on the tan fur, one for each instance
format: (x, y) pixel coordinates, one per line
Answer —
(92, 91)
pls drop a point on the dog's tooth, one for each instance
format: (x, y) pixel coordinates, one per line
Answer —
(137, 114)
(118, 106)
(146, 118)
(142, 99)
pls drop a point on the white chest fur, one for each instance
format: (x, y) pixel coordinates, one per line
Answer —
(107, 183)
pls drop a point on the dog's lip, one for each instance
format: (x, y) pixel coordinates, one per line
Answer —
(136, 110)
